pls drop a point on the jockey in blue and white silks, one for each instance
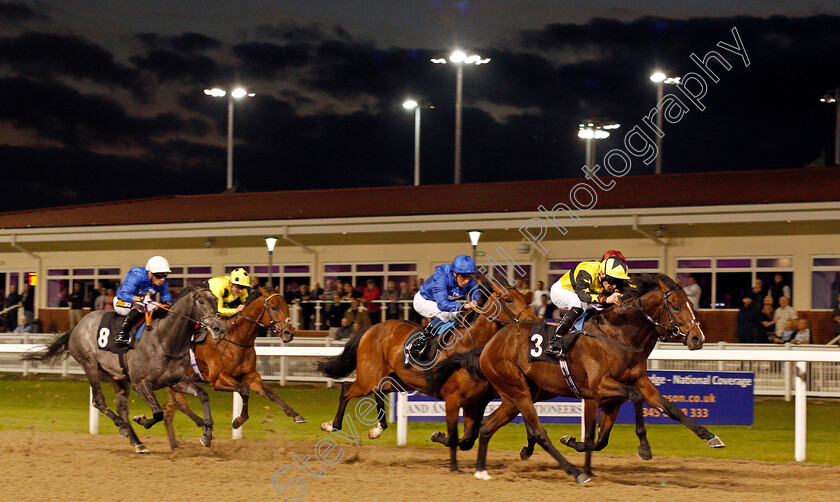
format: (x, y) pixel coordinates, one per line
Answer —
(438, 296)
(139, 284)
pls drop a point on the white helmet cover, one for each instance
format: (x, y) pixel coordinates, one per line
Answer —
(158, 265)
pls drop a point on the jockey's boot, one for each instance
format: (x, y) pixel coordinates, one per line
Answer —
(428, 332)
(555, 345)
(123, 339)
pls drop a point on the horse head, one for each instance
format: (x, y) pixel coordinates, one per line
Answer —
(275, 315)
(675, 320)
(504, 303)
(205, 311)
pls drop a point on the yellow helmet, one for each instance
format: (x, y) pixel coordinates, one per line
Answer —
(615, 267)
(240, 277)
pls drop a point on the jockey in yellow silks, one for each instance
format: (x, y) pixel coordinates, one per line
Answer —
(232, 291)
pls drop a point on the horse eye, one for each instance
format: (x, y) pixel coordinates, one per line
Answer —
(509, 300)
(676, 308)
(273, 307)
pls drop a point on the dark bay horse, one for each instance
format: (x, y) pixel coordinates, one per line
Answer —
(377, 357)
(160, 358)
(230, 363)
(607, 368)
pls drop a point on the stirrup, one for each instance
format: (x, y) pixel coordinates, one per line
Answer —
(550, 349)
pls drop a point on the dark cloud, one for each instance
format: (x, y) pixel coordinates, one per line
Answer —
(13, 12)
(264, 60)
(170, 65)
(186, 42)
(47, 54)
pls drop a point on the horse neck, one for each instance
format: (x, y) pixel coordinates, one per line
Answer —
(178, 329)
(243, 331)
(482, 330)
(646, 337)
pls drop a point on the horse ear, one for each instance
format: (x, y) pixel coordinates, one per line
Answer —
(264, 291)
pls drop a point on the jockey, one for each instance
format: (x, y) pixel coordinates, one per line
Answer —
(133, 295)
(231, 290)
(589, 285)
(437, 298)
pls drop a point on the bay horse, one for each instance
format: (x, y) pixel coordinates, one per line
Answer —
(377, 357)
(608, 367)
(160, 358)
(230, 363)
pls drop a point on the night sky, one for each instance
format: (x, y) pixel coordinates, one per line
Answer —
(103, 100)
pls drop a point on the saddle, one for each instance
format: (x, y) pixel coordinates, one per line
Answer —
(109, 326)
(542, 332)
(442, 339)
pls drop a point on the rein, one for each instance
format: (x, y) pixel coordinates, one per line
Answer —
(274, 326)
(674, 331)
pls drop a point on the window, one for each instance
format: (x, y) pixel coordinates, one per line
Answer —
(182, 276)
(825, 282)
(60, 282)
(507, 275)
(725, 282)
(357, 274)
(283, 275)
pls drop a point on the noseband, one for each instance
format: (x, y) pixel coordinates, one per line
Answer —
(273, 326)
(674, 331)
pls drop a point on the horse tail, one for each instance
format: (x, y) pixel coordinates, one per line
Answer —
(56, 348)
(460, 360)
(343, 364)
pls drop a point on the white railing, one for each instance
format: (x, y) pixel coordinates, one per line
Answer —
(320, 308)
(801, 358)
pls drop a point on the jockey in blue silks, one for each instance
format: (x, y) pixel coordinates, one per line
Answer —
(139, 285)
(438, 297)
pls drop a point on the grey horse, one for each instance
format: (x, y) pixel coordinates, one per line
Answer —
(160, 358)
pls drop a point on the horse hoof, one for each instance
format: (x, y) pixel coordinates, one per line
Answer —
(566, 440)
(375, 432)
(140, 448)
(582, 478)
(645, 454)
(327, 427)
(466, 445)
(205, 440)
(237, 423)
(139, 419)
(525, 453)
(438, 437)
(299, 419)
(715, 442)
(125, 432)
(482, 475)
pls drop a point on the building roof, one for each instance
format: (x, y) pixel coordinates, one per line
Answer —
(811, 184)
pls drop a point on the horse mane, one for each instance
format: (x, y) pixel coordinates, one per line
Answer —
(189, 289)
(253, 295)
(645, 283)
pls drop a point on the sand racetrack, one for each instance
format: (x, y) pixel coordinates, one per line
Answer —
(63, 466)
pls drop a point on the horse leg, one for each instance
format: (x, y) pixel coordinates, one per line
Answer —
(473, 417)
(122, 389)
(174, 403)
(644, 447)
(227, 383)
(382, 423)
(501, 416)
(653, 397)
(255, 382)
(590, 412)
(145, 391)
(188, 386)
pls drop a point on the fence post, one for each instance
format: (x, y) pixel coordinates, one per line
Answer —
(294, 313)
(330, 381)
(721, 364)
(282, 371)
(800, 414)
(93, 416)
(318, 308)
(402, 419)
(237, 410)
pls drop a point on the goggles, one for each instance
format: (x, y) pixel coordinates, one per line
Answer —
(159, 276)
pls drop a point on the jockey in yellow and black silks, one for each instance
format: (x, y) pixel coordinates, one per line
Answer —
(231, 290)
(589, 285)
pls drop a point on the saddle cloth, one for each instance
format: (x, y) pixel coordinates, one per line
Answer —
(109, 326)
(541, 334)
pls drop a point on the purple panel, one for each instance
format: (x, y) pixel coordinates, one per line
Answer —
(562, 265)
(337, 268)
(263, 269)
(370, 267)
(777, 262)
(643, 264)
(295, 269)
(109, 271)
(402, 267)
(734, 263)
(58, 271)
(200, 270)
(177, 270)
(231, 268)
(825, 262)
(694, 263)
(82, 271)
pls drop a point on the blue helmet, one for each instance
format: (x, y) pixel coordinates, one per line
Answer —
(463, 264)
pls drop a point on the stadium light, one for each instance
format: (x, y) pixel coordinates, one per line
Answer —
(475, 235)
(411, 104)
(595, 129)
(660, 79)
(236, 93)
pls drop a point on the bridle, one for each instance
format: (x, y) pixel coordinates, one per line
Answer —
(275, 327)
(505, 308)
(200, 323)
(674, 331)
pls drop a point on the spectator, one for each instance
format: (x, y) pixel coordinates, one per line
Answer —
(544, 309)
(25, 327)
(99, 302)
(804, 333)
(783, 314)
(307, 306)
(334, 316)
(356, 329)
(748, 321)
(290, 293)
(406, 294)
(77, 300)
(349, 293)
(353, 314)
(344, 330)
(778, 290)
(11, 317)
(109, 298)
(316, 291)
(391, 294)
(370, 294)
(788, 333)
(538, 294)
(835, 315)
(693, 291)
(328, 295)
(523, 288)
(758, 294)
(767, 331)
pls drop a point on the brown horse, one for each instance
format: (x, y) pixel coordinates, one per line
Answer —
(377, 357)
(229, 363)
(608, 368)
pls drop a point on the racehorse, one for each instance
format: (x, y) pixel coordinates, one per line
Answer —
(377, 357)
(607, 367)
(230, 363)
(160, 358)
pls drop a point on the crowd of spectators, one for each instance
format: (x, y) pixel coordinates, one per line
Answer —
(766, 316)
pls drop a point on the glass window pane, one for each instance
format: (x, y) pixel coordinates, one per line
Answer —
(734, 263)
(109, 271)
(731, 288)
(57, 292)
(175, 282)
(827, 262)
(370, 267)
(231, 268)
(643, 264)
(263, 269)
(704, 280)
(402, 267)
(825, 286)
(200, 270)
(337, 268)
(775, 288)
(552, 278)
(82, 271)
(694, 263)
(296, 269)
(177, 270)
(776, 262)
(58, 271)
(562, 265)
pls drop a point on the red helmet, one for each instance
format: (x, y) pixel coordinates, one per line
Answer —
(611, 253)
